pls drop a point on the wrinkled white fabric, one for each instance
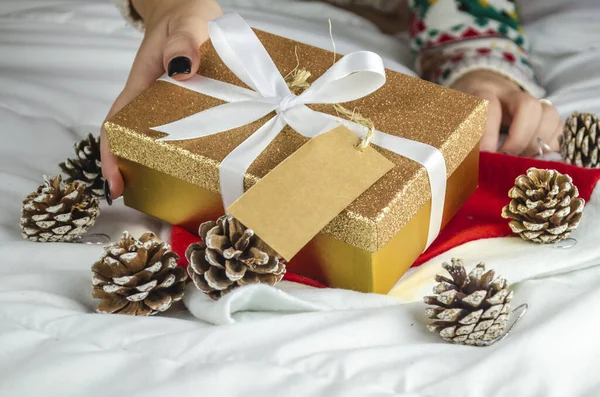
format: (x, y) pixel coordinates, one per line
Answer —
(62, 62)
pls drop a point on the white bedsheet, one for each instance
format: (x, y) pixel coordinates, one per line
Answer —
(62, 63)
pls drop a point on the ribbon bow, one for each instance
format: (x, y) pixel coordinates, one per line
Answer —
(354, 76)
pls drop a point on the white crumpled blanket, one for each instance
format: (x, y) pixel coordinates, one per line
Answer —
(61, 65)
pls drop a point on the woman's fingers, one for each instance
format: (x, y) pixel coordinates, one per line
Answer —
(180, 57)
(185, 35)
(527, 117)
(110, 169)
(489, 140)
(147, 67)
(530, 120)
(547, 130)
(525, 113)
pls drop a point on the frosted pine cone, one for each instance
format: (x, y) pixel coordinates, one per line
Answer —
(469, 309)
(138, 277)
(231, 256)
(545, 206)
(58, 212)
(580, 140)
(86, 168)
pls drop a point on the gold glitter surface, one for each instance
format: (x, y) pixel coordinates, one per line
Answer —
(408, 107)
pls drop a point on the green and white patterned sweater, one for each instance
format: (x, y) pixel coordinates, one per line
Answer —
(453, 37)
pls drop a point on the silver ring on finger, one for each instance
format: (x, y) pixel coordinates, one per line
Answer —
(543, 145)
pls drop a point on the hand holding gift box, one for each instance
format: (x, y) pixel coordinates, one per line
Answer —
(377, 236)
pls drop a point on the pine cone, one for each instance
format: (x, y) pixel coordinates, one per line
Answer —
(58, 212)
(580, 140)
(229, 257)
(545, 207)
(138, 277)
(86, 168)
(470, 310)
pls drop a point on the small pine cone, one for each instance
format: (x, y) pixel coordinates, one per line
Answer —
(231, 256)
(86, 168)
(58, 212)
(580, 140)
(469, 309)
(545, 207)
(138, 277)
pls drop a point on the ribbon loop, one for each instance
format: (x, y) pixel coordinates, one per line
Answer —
(243, 53)
(354, 76)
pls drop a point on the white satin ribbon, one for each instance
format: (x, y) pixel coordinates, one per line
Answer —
(354, 76)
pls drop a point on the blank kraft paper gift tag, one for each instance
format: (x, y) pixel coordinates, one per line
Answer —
(299, 197)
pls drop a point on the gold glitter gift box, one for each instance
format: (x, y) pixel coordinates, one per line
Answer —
(372, 242)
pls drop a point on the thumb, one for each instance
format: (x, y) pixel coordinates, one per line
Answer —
(181, 58)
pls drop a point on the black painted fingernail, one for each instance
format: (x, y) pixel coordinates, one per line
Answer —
(107, 194)
(180, 65)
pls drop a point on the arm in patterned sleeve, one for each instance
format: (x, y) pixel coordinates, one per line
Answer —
(454, 37)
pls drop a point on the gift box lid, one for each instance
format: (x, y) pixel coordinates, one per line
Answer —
(405, 106)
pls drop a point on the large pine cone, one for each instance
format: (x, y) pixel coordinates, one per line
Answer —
(58, 212)
(580, 140)
(86, 168)
(138, 277)
(470, 310)
(231, 256)
(545, 207)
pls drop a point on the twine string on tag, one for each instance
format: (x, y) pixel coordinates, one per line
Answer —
(358, 119)
(297, 81)
(332, 41)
